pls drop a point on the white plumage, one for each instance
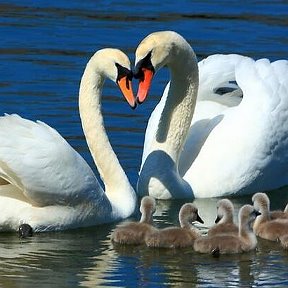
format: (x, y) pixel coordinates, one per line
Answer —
(232, 145)
(46, 183)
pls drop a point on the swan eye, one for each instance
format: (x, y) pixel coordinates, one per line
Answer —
(124, 72)
(143, 63)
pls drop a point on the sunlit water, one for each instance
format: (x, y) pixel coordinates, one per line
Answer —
(44, 48)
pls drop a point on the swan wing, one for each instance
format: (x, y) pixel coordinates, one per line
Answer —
(247, 150)
(215, 72)
(217, 79)
(218, 91)
(39, 163)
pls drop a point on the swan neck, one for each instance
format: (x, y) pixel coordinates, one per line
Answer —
(228, 218)
(180, 103)
(184, 222)
(265, 212)
(146, 217)
(103, 155)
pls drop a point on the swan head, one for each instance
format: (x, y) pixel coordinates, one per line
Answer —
(189, 213)
(247, 215)
(155, 51)
(116, 66)
(261, 202)
(147, 208)
(225, 209)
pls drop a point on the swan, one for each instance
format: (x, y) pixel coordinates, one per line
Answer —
(228, 243)
(284, 241)
(264, 226)
(45, 183)
(135, 232)
(224, 221)
(262, 202)
(228, 148)
(177, 237)
(278, 214)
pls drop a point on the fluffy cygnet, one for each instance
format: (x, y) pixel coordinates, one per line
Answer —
(278, 214)
(284, 241)
(229, 243)
(264, 226)
(224, 221)
(134, 232)
(177, 237)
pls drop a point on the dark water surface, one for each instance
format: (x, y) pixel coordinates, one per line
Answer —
(44, 48)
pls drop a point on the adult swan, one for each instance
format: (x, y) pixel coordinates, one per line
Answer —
(45, 182)
(240, 150)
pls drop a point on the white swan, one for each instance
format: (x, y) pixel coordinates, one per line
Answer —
(229, 148)
(45, 182)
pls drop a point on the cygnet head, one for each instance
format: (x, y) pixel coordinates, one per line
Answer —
(225, 211)
(261, 202)
(147, 208)
(247, 215)
(188, 214)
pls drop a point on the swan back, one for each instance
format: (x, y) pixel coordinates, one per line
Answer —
(33, 148)
(272, 230)
(278, 214)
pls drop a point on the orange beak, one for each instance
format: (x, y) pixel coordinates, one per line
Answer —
(125, 86)
(144, 85)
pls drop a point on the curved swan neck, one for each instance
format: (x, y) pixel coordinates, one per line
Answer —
(184, 223)
(146, 217)
(179, 107)
(227, 218)
(245, 229)
(103, 155)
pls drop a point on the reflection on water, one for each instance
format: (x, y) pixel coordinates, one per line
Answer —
(86, 257)
(44, 48)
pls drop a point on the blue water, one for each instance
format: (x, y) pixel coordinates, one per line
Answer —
(44, 48)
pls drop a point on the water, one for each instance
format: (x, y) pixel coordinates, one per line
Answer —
(44, 48)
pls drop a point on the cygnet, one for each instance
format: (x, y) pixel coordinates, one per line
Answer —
(278, 214)
(227, 243)
(134, 232)
(224, 221)
(177, 237)
(264, 226)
